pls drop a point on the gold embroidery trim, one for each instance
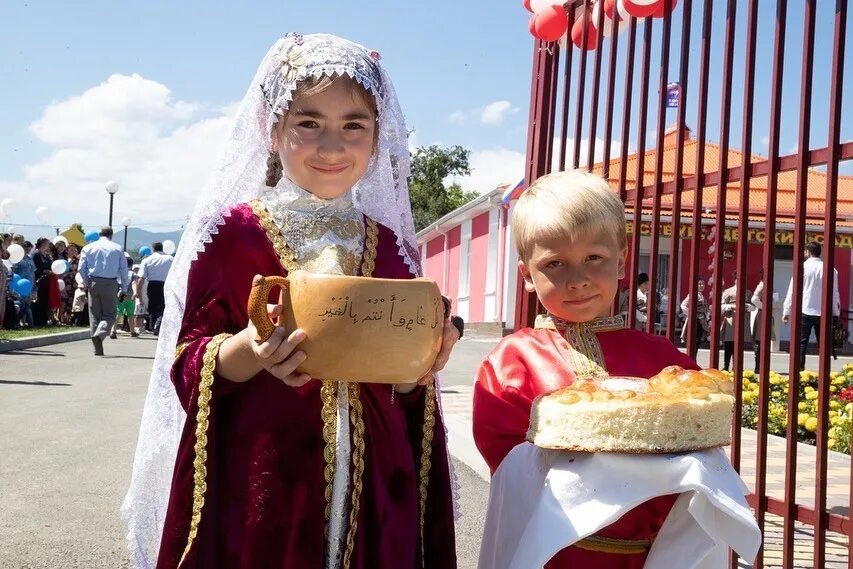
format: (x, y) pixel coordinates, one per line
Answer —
(585, 351)
(202, 422)
(285, 253)
(180, 349)
(426, 460)
(371, 241)
(329, 397)
(614, 545)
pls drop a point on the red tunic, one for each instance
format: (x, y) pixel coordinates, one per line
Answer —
(532, 362)
(264, 500)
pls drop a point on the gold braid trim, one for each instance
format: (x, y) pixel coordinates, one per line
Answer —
(426, 454)
(614, 545)
(180, 349)
(284, 252)
(371, 239)
(357, 420)
(202, 423)
(329, 397)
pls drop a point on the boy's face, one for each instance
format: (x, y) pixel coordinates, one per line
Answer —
(575, 280)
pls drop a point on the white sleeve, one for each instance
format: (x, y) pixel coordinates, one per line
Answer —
(836, 295)
(786, 306)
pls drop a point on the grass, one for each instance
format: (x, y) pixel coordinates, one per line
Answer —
(29, 332)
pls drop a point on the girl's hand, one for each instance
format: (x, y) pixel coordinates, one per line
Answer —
(277, 355)
(450, 335)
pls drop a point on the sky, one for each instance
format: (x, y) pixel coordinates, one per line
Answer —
(141, 93)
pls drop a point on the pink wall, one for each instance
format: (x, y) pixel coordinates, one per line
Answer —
(434, 262)
(479, 254)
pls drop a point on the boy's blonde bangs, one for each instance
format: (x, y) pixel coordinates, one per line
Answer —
(564, 205)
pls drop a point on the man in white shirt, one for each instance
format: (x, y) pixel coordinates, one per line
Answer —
(153, 270)
(812, 292)
(103, 268)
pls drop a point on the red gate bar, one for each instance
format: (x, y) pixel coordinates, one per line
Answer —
(704, 58)
(675, 238)
(651, 306)
(797, 297)
(837, 83)
(580, 93)
(596, 87)
(763, 503)
(567, 84)
(608, 115)
(641, 158)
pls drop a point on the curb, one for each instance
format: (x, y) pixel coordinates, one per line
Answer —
(46, 340)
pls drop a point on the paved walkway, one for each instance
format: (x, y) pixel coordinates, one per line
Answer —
(457, 406)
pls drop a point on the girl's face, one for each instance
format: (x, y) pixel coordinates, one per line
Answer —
(327, 139)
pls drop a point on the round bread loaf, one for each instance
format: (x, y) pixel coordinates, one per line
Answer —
(677, 410)
(357, 328)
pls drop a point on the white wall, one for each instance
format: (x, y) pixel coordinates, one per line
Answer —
(464, 301)
(490, 313)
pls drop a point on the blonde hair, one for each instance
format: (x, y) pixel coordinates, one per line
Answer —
(309, 87)
(565, 205)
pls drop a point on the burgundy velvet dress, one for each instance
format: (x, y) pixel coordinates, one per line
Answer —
(264, 498)
(532, 362)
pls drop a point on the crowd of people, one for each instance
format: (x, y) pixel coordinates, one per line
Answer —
(37, 292)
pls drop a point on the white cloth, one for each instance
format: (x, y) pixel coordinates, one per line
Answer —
(542, 501)
(813, 290)
(155, 267)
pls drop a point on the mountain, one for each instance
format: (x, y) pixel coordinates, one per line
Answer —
(137, 238)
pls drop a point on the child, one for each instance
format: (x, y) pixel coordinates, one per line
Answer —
(569, 229)
(274, 469)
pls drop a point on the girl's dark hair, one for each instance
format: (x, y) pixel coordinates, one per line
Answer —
(274, 170)
(41, 241)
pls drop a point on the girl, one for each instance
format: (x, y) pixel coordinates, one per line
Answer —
(274, 469)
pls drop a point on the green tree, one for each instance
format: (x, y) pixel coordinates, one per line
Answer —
(431, 197)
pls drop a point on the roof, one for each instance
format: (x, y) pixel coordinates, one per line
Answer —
(786, 192)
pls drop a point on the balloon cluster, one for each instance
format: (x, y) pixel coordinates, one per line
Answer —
(550, 21)
(24, 287)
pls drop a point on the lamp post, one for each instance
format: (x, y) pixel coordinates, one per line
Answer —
(112, 188)
(125, 221)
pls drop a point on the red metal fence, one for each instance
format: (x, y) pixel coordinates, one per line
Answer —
(747, 56)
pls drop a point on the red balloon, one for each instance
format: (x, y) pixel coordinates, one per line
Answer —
(549, 24)
(662, 9)
(610, 9)
(526, 4)
(641, 8)
(591, 34)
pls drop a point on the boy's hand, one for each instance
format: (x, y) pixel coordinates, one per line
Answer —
(277, 355)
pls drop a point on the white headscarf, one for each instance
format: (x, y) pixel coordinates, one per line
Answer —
(381, 194)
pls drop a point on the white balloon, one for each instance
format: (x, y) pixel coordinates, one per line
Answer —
(169, 247)
(60, 239)
(540, 5)
(16, 253)
(607, 24)
(7, 263)
(41, 213)
(8, 205)
(59, 267)
(61, 284)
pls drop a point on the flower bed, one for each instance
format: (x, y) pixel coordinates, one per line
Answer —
(840, 406)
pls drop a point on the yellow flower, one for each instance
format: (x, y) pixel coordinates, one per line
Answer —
(811, 424)
(802, 418)
(831, 443)
(801, 405)
(809, 389)
(749, 374)
(833, 389)
(831, 433)
(811, 395)
(834, 404)
(849, 407)
(776, 393)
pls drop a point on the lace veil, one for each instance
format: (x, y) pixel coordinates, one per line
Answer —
(381, 194)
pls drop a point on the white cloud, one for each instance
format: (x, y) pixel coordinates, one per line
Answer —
(765, 140)
(457, 117)
(492, 167)
(127, 129)
(496, 112)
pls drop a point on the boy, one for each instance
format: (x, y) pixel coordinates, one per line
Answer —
(569, 229)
